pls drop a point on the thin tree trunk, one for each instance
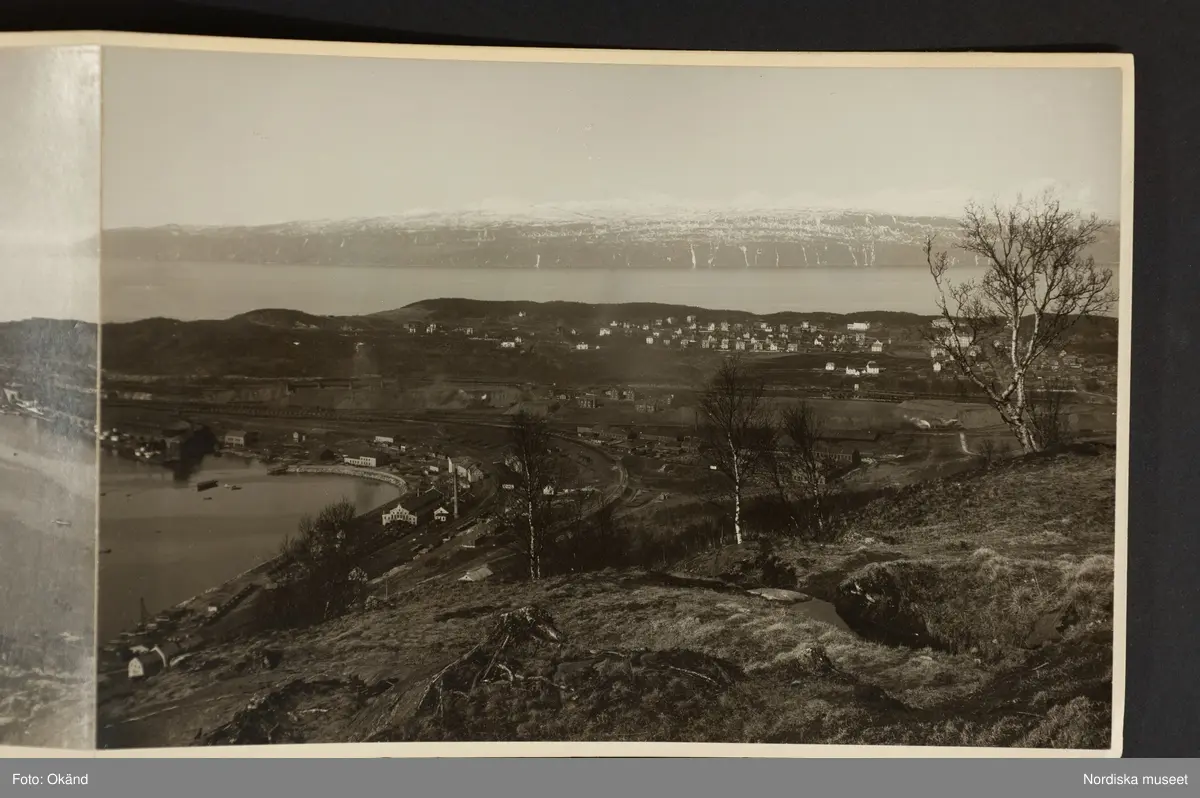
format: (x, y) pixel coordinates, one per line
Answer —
(535, 566)
(737, 496)
(737, 513)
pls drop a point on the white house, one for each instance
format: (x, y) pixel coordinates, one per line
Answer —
(469, 470)
(441, 514)
(507, 345)
(605, 331)
(414, 509)
(937, 367)
(830, 366)
(650, 339)
(793, 347)
(476, 574)
(582, 347)
(858, 326)
(154, 661)
(877, 346)
(872, 368)
(363, 461)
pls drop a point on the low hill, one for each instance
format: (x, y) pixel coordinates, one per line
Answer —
(63, 342)
(975, 611)
(281, 344)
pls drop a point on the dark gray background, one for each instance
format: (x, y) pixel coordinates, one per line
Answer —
(1163, 693)
(582, 778)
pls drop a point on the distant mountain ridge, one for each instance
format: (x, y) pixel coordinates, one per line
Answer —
(566, 238)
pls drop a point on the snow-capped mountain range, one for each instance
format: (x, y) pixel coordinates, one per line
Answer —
(565, 236)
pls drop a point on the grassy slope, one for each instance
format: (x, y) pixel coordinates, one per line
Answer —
(971, 565)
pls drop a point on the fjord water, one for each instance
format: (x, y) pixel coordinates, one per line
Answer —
(188, 291)
(163, 541)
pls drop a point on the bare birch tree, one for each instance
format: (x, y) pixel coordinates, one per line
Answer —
(534, 459)
(800, 472)
(736, 421)
(1039, 282)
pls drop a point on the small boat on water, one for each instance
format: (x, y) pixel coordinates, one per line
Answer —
(277, 471)
(106, 551)
(61, 522)
(207, 485)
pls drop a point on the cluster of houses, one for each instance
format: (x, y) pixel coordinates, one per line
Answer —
(417, 510)
(164, 445)
(589, 400)
(871, 368)
(685, 332)
(743, 336)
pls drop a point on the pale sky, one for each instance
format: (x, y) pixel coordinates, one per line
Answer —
(49, 182)
(201, 138)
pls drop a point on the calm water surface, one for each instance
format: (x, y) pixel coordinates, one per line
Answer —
(163, 541)
(134, 290)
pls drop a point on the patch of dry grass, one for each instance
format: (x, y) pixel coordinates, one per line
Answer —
(970, 564)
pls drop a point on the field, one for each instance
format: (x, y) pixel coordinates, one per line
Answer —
(975, 610)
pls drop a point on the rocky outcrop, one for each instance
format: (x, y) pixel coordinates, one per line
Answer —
(877, 603)
(780, 595)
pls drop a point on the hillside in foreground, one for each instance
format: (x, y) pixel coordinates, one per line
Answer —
(976, 611)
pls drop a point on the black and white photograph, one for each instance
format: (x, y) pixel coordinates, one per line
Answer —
(567, 398)
(49, 309)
